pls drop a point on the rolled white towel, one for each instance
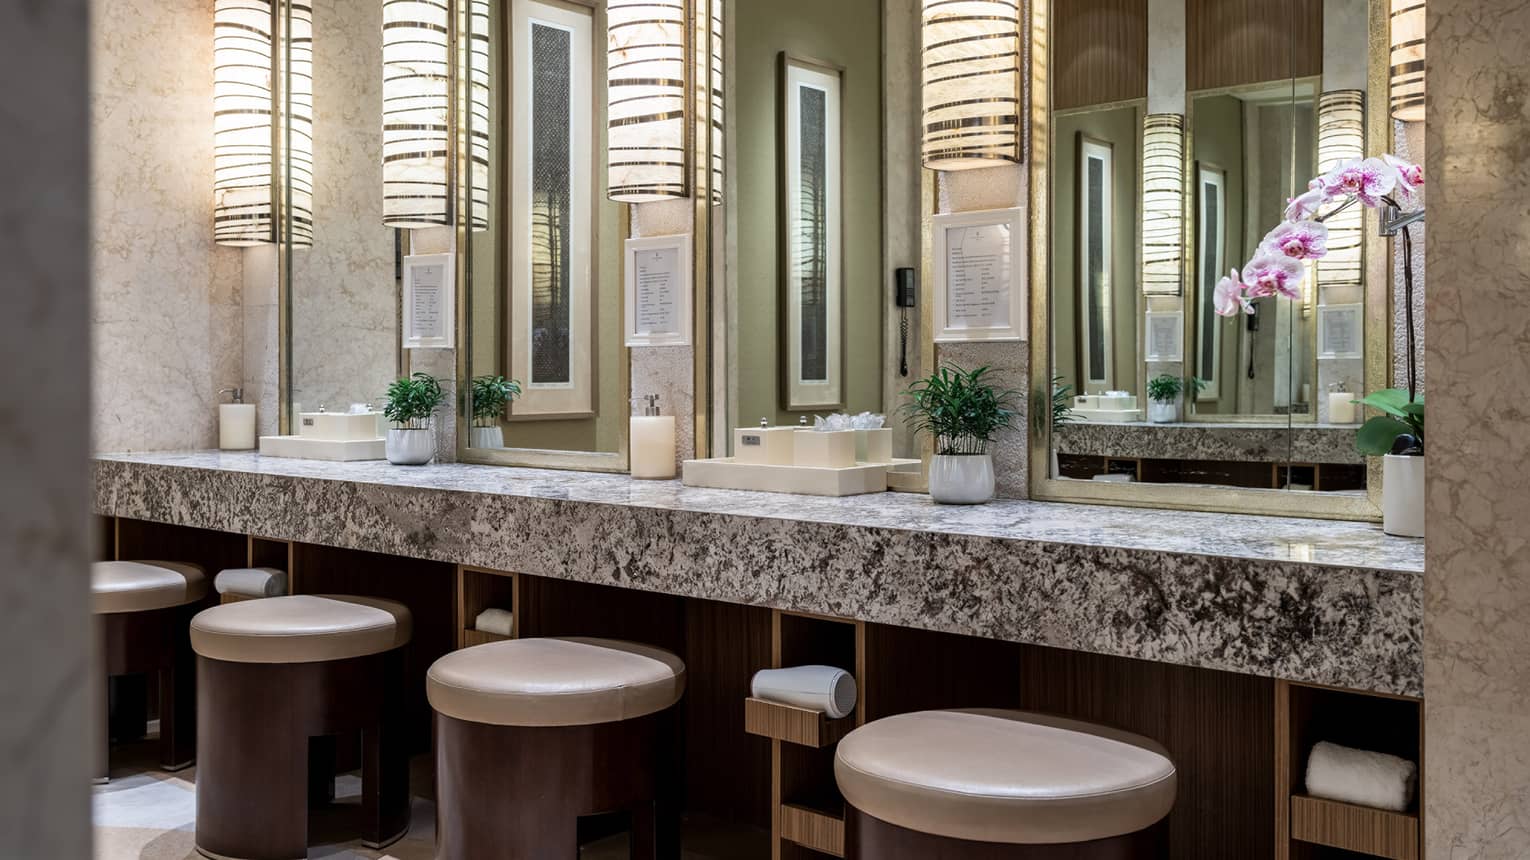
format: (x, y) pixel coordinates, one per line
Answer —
(498, 621)
(1358, 776)
(816, 688)
(251, 581)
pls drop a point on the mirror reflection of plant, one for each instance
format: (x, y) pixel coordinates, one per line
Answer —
(960, 409)
(413, 401)
(1062, 403)
(490, 396)
(1399, 429)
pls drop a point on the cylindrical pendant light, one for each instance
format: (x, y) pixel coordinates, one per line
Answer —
(256, 81)
(1341, 138)
(1409, 19)
(416, 113)
(646, 91)
(971, 63)
(244, 194)
(1163, 204)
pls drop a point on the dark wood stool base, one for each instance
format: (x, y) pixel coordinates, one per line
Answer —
(868, 838)
(153, 642)
(516, 793)
(255, 722)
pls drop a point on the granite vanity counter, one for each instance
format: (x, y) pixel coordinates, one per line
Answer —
(1309, 600)
(1302, 443)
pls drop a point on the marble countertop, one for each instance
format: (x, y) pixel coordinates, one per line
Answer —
(1329, 602)
(1204, 440)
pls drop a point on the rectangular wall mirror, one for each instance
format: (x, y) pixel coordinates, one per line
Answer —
(543, 297)
(1173, 134)
(809, 287)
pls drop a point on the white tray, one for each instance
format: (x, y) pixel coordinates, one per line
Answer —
(724, 473)
(308, 448)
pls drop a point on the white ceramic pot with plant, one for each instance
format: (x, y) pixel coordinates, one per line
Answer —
(1397, 435)
(411, 407)
(963, 413)
(490, 395)
(1163, 398)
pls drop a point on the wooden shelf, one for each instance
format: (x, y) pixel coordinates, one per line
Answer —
(472, 637)
(793, 725)
(813, 829)
(1377, 832)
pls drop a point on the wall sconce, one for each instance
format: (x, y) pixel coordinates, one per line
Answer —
(971, 83)
(646, 91)
(1341, 137)
(1409, 20)
(247, 98)
(1163, 204)
(417, 108)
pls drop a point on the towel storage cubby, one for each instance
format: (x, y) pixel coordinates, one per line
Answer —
(478, 589)
(1313, 828)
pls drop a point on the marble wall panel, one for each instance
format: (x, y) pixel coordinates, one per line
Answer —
(47, 694)
(1477, 586)
(166, 314)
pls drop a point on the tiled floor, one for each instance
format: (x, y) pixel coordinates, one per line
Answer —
(145, 814)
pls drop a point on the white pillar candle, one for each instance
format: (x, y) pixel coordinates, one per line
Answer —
(1341, 409)
(653, 446)
(236, 426)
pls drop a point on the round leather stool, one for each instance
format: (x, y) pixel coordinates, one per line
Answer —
(273, 673)
(142, 609)
(533, 733)
(1001, 785)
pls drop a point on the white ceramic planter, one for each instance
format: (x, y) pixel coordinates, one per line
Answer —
(487, 437)
(410, 447)
(961, 479)
(1162, 413)
(1402, 495)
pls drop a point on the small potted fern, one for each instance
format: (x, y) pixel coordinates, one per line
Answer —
(491, 394)
(412, 405)
(963, 412)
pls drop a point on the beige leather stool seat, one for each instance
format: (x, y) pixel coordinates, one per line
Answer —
(555, 682)
(1005, 776)
(140, 586)
(300, 628)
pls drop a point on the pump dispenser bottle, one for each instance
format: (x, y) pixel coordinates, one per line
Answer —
(652, 441)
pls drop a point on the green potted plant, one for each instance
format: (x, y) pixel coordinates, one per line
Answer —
(412, 405)
(963, 411)
(1062, 415)
(490, 395)
(1397, 436)
(1163, 393)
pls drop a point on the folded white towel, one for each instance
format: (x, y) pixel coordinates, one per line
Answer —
(499, 621)
(1357, 776)
(251, 581)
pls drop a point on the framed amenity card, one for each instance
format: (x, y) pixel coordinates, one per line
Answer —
(1339, 331)
(980, 276)
(657, 276)
(430, 301)
(1164, 336)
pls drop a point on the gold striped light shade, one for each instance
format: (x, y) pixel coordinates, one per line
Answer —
(646, 97)
(417, 163)
(1408, 22)
(246, 71)
(1341, 137)
(1163, 204)
(971, 75)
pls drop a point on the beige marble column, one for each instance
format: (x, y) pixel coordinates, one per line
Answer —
(1477, 583)
(45, 631)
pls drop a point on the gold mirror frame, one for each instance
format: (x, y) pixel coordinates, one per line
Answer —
(1378, 319)
(699, 142)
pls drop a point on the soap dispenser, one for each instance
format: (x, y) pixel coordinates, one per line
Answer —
(652, 441)
(236, 422)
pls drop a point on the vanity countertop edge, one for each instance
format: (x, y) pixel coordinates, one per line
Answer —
(1325, 602)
